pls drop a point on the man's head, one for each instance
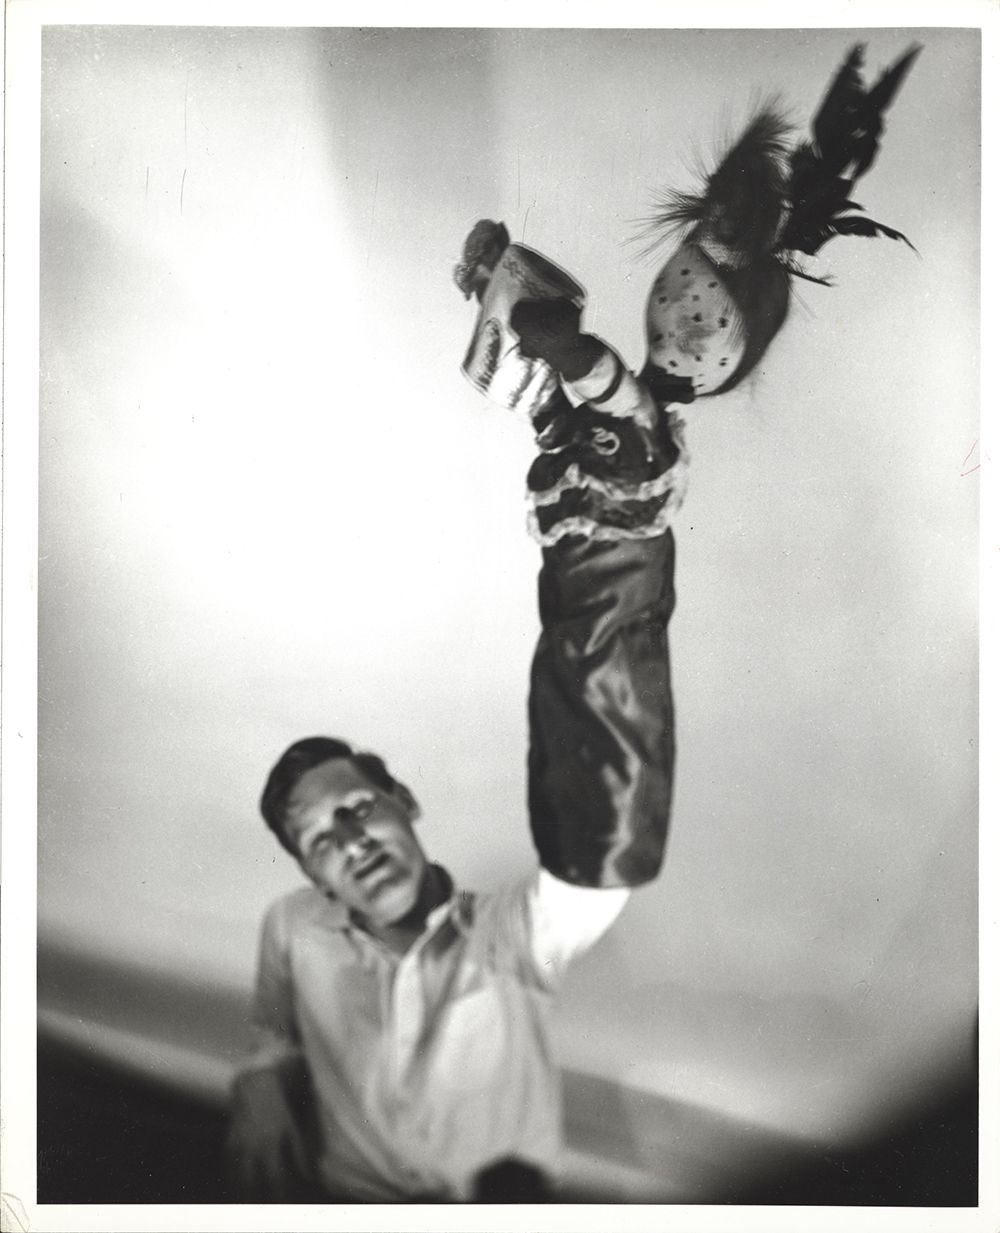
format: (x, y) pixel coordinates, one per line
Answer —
(349, 824)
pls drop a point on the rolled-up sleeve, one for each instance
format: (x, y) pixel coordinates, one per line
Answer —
(538, 925)
(567, 920)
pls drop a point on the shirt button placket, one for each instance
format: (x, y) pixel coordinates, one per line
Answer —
(407, 1012)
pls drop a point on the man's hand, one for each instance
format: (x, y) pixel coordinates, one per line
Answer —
(267, 1145)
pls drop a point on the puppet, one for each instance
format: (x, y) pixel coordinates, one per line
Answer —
(612, 463)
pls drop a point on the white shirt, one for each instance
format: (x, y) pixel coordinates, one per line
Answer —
(428, 1066)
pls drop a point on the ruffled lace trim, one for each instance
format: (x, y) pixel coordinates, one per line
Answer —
(580, 525)
(675, 476)
(573, 477)
(673, 483)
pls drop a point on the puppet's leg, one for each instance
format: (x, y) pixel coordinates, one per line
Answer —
(601, 755)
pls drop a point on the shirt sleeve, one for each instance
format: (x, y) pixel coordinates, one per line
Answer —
(566, 920)
(274, 1032)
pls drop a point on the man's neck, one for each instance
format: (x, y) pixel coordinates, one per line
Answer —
(400, 935)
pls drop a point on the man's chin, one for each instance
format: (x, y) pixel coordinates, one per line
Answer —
(392, 903)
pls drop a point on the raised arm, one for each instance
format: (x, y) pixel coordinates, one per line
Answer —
(602, 748)
(608, 475)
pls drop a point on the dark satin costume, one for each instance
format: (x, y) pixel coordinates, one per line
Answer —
(602, 749)
(601, 759)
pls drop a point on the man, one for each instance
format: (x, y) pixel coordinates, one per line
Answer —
(420, 1013)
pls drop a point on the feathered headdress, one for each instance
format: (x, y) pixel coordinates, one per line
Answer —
(719, 301)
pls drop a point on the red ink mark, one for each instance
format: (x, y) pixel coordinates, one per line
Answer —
(972, 450)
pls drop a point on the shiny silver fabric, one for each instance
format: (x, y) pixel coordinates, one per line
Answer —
(493, 363)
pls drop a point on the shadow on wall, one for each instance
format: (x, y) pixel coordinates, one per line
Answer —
(131, 1108)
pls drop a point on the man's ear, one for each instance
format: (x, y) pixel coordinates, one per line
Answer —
(406, 797)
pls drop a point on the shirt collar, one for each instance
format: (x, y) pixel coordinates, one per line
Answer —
(457, 907)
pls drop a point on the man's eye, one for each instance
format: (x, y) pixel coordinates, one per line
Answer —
(363, 808)
(321, 842)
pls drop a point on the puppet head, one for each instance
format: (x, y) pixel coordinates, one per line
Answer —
(719, 301)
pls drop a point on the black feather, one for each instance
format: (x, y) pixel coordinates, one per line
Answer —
(844, 145)
(884, 90)
(866, 227)
(841, 101)
(792, 268)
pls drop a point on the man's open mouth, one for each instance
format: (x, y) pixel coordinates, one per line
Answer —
(369, 866)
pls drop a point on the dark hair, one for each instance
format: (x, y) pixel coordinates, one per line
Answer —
(302, 757)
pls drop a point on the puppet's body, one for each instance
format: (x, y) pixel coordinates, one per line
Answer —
(612, 465)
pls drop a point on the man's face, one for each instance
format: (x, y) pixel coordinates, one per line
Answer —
(356, 840)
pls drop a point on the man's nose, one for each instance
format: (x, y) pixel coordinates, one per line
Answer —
(348, 829)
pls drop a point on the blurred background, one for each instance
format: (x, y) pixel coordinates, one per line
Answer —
(271, 506)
